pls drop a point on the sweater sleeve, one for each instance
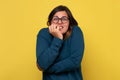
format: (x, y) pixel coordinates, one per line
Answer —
(46, 51)
(74, 61)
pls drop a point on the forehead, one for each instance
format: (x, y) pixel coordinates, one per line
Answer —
(61, 14)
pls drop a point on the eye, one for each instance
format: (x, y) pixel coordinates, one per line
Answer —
(64, 19)
(55, 18)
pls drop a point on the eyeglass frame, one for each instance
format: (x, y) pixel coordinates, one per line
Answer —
(62, 18)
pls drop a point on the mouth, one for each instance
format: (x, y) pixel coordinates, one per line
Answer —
(61, 27)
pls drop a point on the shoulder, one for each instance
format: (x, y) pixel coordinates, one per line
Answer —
(44, 32)
(77, 37)
(76, 30)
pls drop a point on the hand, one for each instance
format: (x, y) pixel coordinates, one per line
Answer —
(54, 30)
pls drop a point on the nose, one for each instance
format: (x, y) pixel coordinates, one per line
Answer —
(59, 21)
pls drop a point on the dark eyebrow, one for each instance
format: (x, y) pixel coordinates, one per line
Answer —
(61, 17)
(55, 16)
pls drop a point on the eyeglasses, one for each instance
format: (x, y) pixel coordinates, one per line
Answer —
(63, 19)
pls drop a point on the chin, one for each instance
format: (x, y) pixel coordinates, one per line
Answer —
(63, 32)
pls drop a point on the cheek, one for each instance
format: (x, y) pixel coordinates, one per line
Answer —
(65, 29)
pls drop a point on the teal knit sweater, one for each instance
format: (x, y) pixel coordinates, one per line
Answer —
(60, 59)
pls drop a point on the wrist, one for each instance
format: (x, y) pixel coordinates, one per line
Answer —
(61, 37)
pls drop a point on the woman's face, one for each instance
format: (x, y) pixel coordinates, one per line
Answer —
(61, 20)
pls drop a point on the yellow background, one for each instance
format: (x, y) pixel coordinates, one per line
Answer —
(20, 21)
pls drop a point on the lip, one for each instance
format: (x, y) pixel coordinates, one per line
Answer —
(61, 27)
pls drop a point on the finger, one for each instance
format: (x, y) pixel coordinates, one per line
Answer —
(57, 28)
(52, 27)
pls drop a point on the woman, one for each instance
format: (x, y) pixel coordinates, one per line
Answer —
(60, 47)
